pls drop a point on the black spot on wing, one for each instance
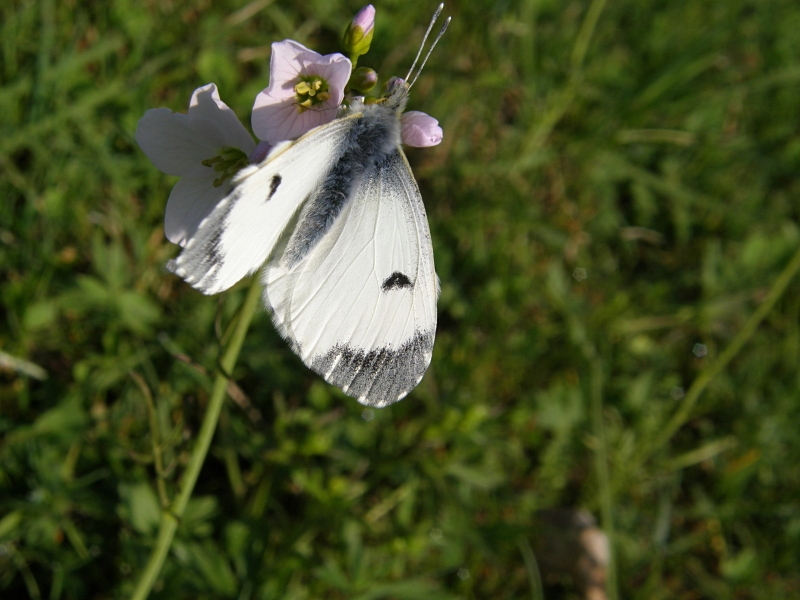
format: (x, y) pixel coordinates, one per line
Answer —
(273, 186)
(396, 281)
(380, 376)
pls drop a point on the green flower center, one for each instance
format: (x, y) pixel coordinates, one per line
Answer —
(227, 163)
(310, 90)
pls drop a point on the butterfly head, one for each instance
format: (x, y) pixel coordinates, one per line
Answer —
(396, 94)
(396, 90)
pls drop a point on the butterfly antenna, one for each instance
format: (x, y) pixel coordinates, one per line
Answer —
(433, 45)
(424, 39)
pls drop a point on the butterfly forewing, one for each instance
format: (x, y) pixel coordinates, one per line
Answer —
(360, 307)
(241, 232)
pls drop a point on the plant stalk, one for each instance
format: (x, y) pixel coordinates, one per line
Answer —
(171, 517)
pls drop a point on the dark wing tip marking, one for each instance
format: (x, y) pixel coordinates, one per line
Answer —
(380, 376)
(396, 281)
(273, 186)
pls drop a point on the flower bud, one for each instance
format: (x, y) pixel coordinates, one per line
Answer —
(363, 79)
(419, 130)
(358, 36)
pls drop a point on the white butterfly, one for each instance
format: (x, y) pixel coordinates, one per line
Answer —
(350, 279)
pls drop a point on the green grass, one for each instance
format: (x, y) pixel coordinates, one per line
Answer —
(618, 182)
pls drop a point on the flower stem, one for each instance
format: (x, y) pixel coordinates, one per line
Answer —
(171, 517)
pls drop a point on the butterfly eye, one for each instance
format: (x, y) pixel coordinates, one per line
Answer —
(394, 83)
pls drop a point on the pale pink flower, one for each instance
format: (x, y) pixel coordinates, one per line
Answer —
(419, 130)
(305, 91)
(177, 144)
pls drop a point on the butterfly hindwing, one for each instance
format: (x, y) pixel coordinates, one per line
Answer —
(241, 232)
(360, 306)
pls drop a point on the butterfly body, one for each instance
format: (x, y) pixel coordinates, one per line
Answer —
(349, 278)
(373, 134)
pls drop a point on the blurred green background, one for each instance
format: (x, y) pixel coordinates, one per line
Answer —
(616, 193)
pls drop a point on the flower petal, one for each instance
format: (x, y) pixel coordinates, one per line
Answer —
(170, 142)
(217, 122)
(192, 200)
(275, 116)
(419, 130)
(335, 68)
(178, 143)
(260, 153)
